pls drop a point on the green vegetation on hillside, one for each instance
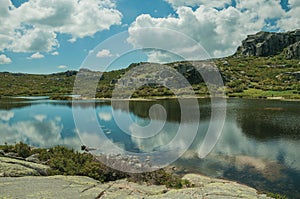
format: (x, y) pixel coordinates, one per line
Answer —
(261, 76)
(244, 76)
(18, 84)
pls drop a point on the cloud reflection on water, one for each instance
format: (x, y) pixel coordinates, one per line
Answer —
(6, 115)
(37, 131)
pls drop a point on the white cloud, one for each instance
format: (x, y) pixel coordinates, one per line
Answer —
(62, 67)
(219, 31)
(264, 9)
(294, 3)
(34, 40)
(33, 27)
(4, 59)
(214, 30)
(161, 57)
(6, 115)
(36, 56)
(291, 20)
(104, 53)
(55, 53)
(212, 3)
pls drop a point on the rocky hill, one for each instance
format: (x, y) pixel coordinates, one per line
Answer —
(265, 65)
(263, 44)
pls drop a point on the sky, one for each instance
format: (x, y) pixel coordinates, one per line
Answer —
(42, 37)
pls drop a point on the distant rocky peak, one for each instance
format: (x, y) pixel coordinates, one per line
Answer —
(265, 44)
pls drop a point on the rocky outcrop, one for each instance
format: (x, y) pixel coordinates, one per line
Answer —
(84, 187)
(11, 167)
(270, 43)
(293, 51)
(33, 185)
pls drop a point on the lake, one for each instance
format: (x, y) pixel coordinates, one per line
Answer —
(259, 145)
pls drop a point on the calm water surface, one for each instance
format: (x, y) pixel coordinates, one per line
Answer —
(259, 145)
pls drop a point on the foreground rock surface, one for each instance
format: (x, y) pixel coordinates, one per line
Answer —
(22, 179)
(84, 187)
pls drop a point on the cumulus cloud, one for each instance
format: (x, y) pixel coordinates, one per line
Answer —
(36, 56)
(55, 53)
(157, 56)
(33, 27)
(4, 59)
(264, 9)
(62, 67)
(219, 31)
(291, 19)
(104, 53)
(4, 5)
(294, 3)
(212, 3)
(34, 40)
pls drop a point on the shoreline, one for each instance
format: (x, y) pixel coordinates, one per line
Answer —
(154, 98)
(200, 97)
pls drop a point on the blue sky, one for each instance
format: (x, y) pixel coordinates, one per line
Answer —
(38, 36)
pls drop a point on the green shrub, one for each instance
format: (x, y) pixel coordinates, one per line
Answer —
(276, 196)
(160, 177)
(23, 150)
(7, 148)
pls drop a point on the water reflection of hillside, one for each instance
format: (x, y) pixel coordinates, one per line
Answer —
(171, 106)
(260, 119)
(138, 108)
(8, 104)
(274, 120)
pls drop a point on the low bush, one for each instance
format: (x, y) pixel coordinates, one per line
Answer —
(276, 196)
(23, 150)
(160, 177)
